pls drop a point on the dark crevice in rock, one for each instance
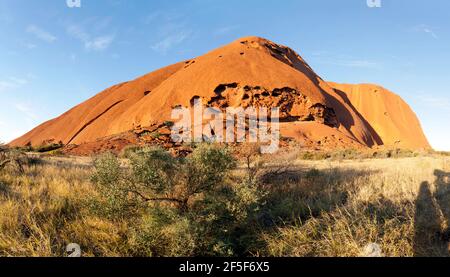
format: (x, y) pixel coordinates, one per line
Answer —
(293, 105)
(189, 63)
(94, 119)
(221, 88)
(323, 114)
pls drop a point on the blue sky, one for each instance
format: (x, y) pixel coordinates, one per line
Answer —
(52, 57)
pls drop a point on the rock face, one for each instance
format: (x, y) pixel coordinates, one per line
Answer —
(251, 71)
(391, 117)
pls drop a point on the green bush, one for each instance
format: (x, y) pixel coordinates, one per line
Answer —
(163, 232)
(152, 171)
(48, 147)
(174, 201)
(12, 158)
(129, 150)
(110, 181)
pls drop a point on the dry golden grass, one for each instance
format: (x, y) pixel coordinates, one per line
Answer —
(398, 203)
(314, 208)
(37, 209)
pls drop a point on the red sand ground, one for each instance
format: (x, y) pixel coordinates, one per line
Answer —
(249, 71)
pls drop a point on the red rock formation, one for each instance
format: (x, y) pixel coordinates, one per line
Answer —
(390, 117)
(250, 71)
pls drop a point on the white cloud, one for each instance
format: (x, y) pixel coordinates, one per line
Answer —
(170, 41)
(5, 85)
(357, 63)
(156, 17)
(29, 45)
(99, 43)
(434, 101)
(26, 109)
(40, 33)
(96, 43)
(77, 32)
(12, 83)
(423, 28)
(344, 61)
(168, 22)
(19, 81)
(225, 30)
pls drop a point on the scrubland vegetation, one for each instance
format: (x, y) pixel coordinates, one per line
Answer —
(216, 203)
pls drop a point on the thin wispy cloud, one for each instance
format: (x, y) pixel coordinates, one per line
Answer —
(12, 83)
(358, 63)
(5, 85)
(29, 45)
(168, 42)
(225, 30)
(92, 42)
(427, 30)
(28, 111)
(171, 23)
(19, 81)
(164, 16)
(41, 33)
(432, 101)
(99, 43)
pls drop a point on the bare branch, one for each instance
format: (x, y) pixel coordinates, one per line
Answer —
(157, 199)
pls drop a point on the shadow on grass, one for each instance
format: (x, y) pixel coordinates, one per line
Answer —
(432, 216)
(298, 194)
(302, 193)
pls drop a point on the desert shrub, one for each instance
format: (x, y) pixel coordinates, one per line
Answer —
(129, 150)
(442, 153)
(155, 135)
(4, 188)
(4, 160)
(174, 200)
(48, 147)
(169, 124)
(12, 158)
(355, 154)
(395, 153)
(312, 173)
(313, 155)
(112, 183)
(163, 232)
(152, 171)
(345, 154)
